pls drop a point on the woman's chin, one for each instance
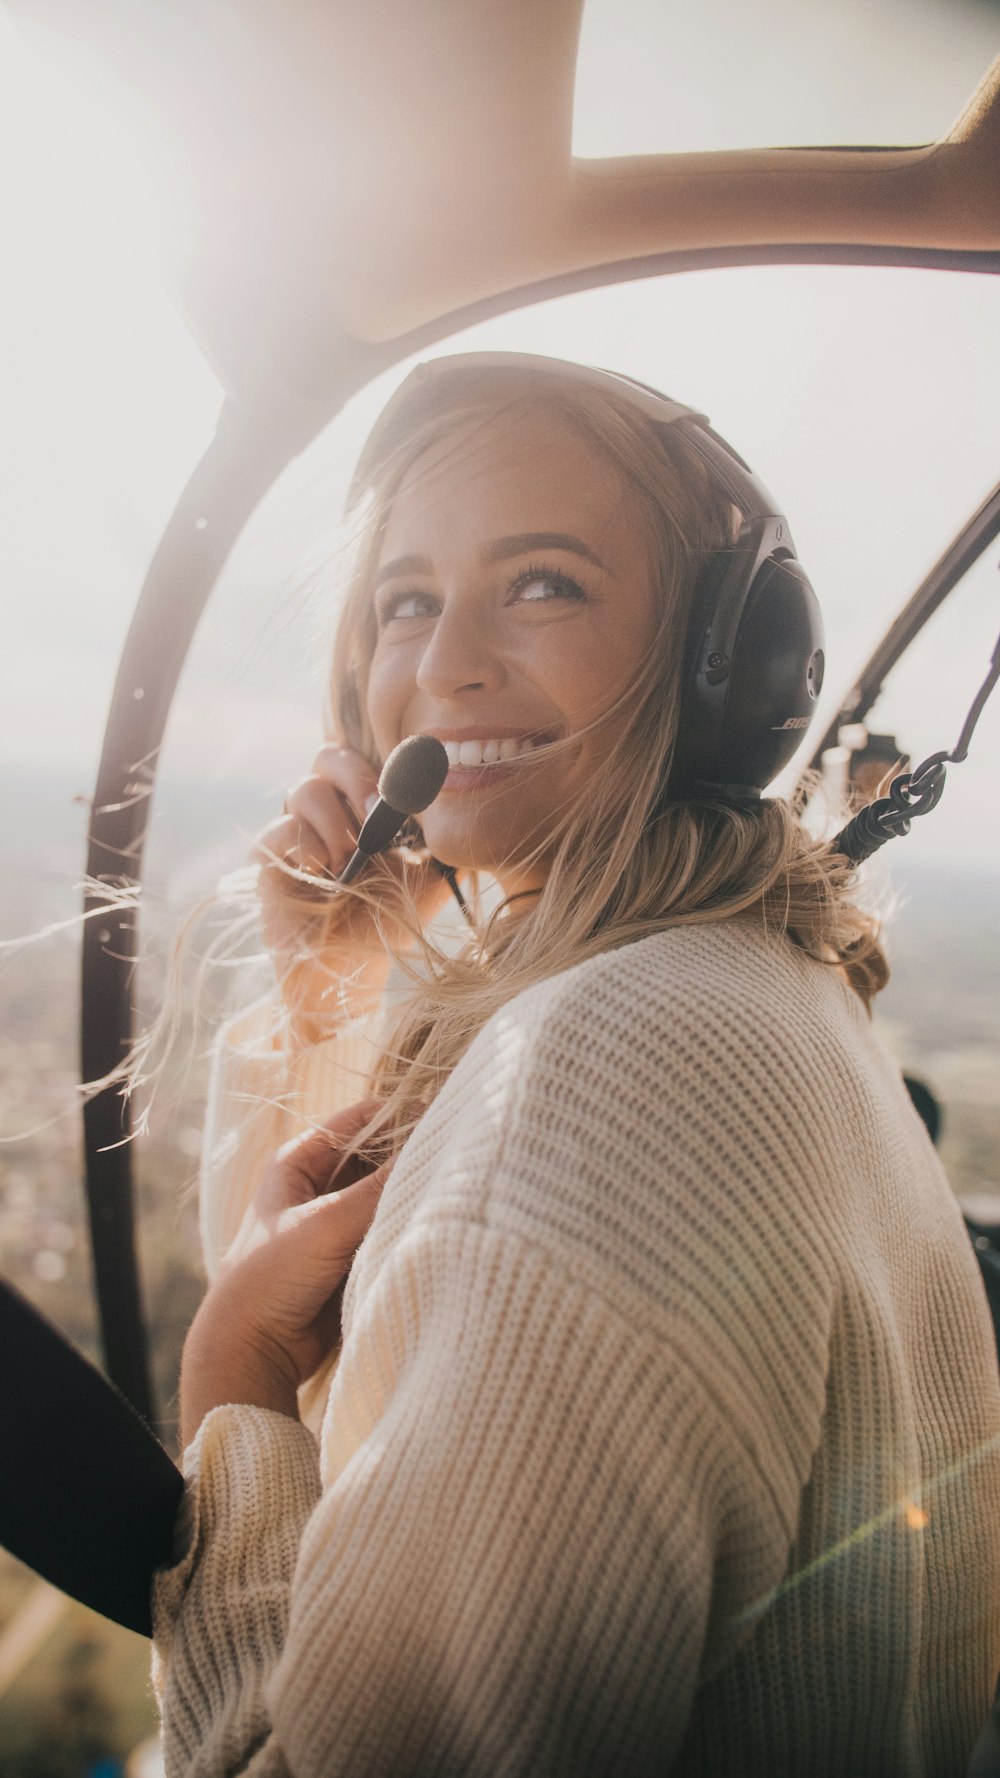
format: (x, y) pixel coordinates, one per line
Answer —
(499, 847)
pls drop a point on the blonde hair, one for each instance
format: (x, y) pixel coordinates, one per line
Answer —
(624, 859)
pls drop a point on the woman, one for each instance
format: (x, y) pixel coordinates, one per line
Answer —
(665, 1434)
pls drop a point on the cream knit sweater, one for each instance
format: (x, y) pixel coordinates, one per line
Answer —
(666, 1433)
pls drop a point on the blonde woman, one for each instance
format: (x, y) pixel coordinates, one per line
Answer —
(665, 1433)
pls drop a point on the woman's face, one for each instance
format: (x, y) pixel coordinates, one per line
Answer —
(514, 603)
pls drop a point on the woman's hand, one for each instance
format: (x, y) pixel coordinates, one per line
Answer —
(329, 959)
(273, 1314)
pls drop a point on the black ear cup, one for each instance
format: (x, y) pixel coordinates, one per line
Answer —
(744, 711)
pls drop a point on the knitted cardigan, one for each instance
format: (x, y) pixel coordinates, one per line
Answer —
(666, 1431)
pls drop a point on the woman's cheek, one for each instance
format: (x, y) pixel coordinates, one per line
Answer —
(383, 713)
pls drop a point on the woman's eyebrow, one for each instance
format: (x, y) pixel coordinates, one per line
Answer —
(502, 550)
(402, 565)
(527, 541)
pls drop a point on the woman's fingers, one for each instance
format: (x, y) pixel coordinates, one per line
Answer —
(314, 1164)
(330, 950)
(311, 1211)
(323, 815)
(272, 1316)
(334, 800)
(293, 843)
(328, 1232)
(349, 773)
(323, 810)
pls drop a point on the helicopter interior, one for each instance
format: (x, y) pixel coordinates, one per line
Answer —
(359, 187)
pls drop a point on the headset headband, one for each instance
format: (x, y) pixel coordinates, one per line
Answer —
(745, 489)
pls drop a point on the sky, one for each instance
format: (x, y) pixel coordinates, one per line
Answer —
(865, 398)
(659, 77)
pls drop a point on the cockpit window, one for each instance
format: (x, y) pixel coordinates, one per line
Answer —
(863, 397)
(780, 73)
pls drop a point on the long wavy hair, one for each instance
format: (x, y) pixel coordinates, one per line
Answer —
(625, 857)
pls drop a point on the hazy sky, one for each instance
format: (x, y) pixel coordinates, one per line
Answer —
(664, 76)
(867, 399)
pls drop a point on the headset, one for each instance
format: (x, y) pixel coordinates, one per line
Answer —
(753, 656)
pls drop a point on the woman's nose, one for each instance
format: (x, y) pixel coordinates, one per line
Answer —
(461, 655)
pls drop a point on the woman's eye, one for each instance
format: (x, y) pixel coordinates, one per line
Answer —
(404, 606)
(538, 586)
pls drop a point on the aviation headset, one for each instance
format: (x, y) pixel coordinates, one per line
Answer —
(753, 655)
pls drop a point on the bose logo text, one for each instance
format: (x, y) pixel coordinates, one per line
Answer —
(777, 728)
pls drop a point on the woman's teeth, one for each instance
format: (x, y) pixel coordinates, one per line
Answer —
(486, 753)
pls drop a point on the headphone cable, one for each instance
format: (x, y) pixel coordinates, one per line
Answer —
(912, 793)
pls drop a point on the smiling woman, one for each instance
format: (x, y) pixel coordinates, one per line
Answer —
(666, 1388)
(502, 653)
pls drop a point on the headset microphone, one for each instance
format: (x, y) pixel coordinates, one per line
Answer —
(411, 778)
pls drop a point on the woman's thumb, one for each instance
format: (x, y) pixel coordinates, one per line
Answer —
(335, 1224)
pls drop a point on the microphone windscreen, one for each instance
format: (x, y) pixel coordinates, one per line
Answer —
(413, 774)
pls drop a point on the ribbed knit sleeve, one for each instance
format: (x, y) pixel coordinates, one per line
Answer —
(252, 1480)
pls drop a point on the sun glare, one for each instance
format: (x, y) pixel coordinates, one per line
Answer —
(107, 401)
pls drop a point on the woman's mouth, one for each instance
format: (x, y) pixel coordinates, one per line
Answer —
(488, 752)
(470, 761)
